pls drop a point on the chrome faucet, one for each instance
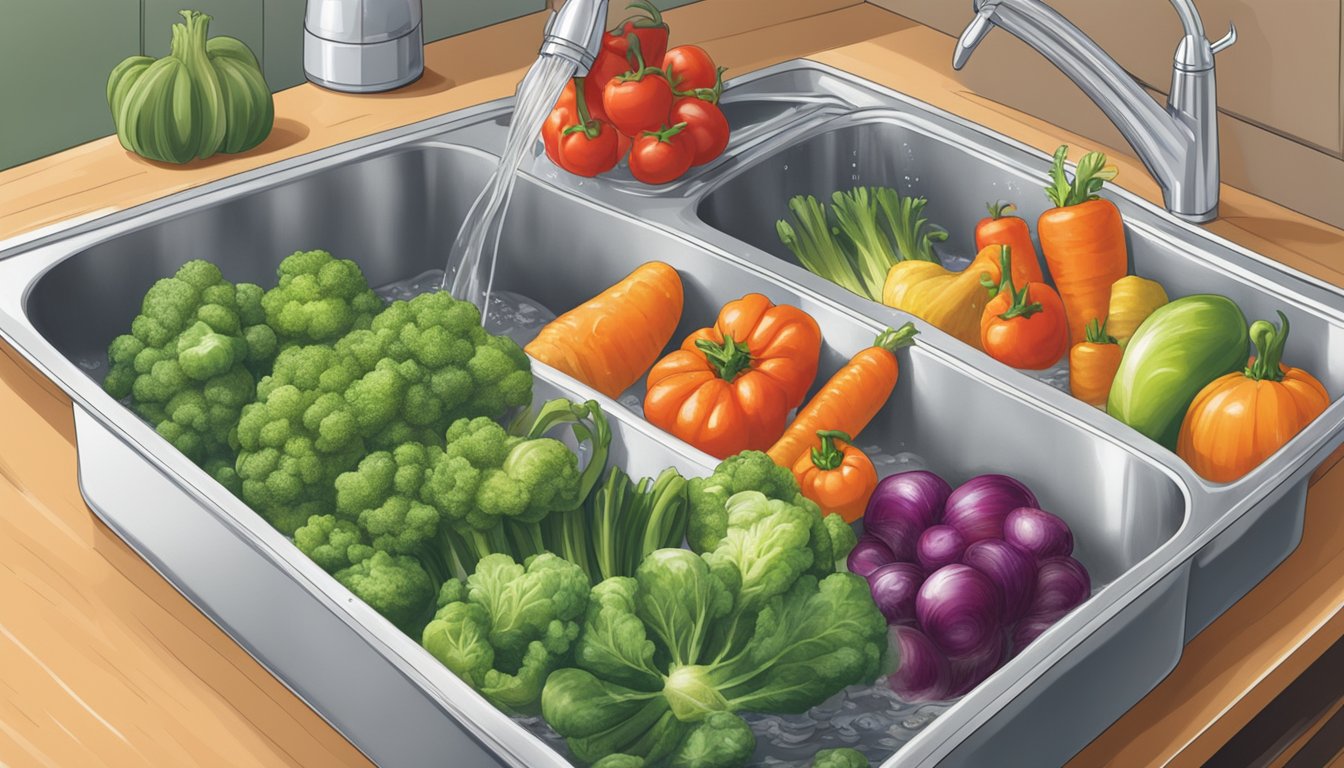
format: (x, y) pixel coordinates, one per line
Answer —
(575, 32)
(1178, 144)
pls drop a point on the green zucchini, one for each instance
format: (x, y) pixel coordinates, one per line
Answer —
(1174, 354)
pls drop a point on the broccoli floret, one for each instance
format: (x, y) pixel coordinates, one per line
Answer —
(395, 586)
(383, 497)
(185, 363)
(721, 740)
(332, 543)
(747, 471)
(318, 299)
(842, 757)
(509, 626)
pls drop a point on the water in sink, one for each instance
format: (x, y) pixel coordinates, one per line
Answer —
(510, 314)
(470, 270)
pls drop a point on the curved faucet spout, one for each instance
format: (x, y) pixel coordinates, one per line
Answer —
(1178, 144)
(575, 32)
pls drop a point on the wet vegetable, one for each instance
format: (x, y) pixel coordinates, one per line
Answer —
(970, 671)
(1092, 365)
(1038, 532)
(959, 608)
(1024, 328)
(1010, 568)
(1133, 299)
(894, 587)
(939, 545)
(204, 97)
(978, 507)
(1062, 584)
(902, 506)
(1032, 626)
(1239, 420)
(868, 555)
(924, 673)
(950, 301)
(1177, 351)
(1002, 228)
(839, 478)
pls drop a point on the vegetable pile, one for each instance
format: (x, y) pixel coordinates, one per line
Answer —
(640, 100)
(206, 96)
(966, 578)
(1175, 371)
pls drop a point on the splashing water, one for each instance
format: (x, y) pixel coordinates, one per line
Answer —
(470, 271)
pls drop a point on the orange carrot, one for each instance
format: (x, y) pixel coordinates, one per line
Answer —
(1002, 228)
(851, 398)
(609, 341)
(1092, 365)
(1083, 239)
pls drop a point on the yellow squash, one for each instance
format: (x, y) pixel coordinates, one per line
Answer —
(950, 301)
(1133, 299)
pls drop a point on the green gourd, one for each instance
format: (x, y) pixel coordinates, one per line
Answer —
(1174, 354)
(205, 96)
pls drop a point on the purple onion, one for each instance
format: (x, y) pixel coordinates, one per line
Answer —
(1032, 626)
(958, 607)
(972, 670)
(977, 508)
(1062, 584)
(901, 507)
(1038, 532)
(924, 673)
(894, 587)
(939, 545)
(1012, 571)
(868, 555)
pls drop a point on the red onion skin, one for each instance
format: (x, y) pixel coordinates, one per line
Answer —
(1032, 626)
(978, 506)
(958, 607)
(924, 673)
(1012, 570)
(868, 555)
(973, 670)
(1036, 531)
(1062, 584)
(939, 545)
(902, 506)
(894, 587)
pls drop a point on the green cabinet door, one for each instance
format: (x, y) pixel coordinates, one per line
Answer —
(283, 65)
(445, 18)
(55, 56)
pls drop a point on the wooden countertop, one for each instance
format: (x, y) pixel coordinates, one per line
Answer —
(105, 663)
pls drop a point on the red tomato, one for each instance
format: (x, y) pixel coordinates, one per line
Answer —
(661, 156)
(560, 118)
(689, 67)
(590, 150)
(638, 102)
(705, 125)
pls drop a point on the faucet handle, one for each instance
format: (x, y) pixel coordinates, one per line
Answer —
(1227, 41)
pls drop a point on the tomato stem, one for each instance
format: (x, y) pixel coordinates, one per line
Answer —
(893, 339)
(828, 456)
(1000, 208)
(651, 18)
(1021, 305)
(1269, 345)
(639, 71)
(1096, 333)
(712, 94)
(728, 359)
(590, 127)
(667, 132)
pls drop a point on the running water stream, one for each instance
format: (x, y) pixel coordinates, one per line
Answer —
(470, 270)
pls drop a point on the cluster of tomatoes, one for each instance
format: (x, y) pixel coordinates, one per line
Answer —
(639, 99)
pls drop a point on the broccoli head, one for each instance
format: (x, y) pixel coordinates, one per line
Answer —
(721, 740)
(318, 299)
(747, 471)
(841, 757)
(509, 626)
(487, 476)
(394, 585)
(332, 543)
(382, 496)
(185, 365)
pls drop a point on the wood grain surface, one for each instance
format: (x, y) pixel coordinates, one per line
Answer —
(104, 663)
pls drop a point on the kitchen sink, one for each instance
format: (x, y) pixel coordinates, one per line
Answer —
(1167, 551)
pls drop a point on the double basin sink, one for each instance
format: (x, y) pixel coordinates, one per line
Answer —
(1168, 551)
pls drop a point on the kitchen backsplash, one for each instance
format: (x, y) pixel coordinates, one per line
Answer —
(62, 102)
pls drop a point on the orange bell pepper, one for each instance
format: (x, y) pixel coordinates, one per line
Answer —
(838, 479)
(730, 387)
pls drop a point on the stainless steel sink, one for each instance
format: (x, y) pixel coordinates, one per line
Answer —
(1168, 551)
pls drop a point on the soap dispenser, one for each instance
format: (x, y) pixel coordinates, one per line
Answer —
(363, 46)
